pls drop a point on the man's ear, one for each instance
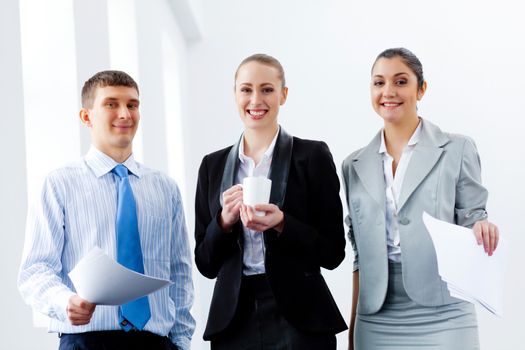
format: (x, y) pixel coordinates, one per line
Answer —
(85, 117)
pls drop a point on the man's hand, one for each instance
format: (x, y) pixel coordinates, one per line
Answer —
(79, 311)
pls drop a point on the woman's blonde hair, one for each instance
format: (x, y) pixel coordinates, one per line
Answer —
(267, 60)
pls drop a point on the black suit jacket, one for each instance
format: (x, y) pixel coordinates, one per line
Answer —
(312, 237)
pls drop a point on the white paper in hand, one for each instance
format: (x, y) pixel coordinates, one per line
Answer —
(469, 272)
(101, 280)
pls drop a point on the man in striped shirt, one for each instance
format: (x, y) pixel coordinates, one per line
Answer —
(77, 210)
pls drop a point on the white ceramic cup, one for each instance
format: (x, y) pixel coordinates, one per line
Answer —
(256, 190)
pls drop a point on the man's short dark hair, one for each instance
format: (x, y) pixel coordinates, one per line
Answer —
(103, 79)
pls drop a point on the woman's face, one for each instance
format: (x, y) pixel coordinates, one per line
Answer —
(259, 94)
(394, 90)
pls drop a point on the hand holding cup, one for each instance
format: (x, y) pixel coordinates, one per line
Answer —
(256, 190)
(273, 218)
(256, 212)
(231, 205)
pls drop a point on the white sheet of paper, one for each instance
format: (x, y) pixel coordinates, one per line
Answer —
(469, 272)
(101, 280)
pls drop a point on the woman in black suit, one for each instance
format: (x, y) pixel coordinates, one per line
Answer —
(269, 292)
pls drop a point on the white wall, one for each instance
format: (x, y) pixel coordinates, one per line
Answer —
(15, 318)
(472, 52)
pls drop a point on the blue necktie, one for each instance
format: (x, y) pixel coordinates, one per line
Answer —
(136, 313)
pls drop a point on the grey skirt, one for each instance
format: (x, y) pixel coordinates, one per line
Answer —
(402, 324)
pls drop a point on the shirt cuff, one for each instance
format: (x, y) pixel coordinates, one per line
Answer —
(182, 343)
(355, 265)
(60, 303)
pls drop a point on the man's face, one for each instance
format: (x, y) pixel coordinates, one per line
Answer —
(113, 119)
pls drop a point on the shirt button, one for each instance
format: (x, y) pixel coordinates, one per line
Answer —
(404, 221)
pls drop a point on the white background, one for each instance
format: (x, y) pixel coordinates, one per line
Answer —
(184, 53)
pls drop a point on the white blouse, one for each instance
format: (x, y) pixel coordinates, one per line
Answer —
(393, 185)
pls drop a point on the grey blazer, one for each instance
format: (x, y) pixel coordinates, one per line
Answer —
(443, 179)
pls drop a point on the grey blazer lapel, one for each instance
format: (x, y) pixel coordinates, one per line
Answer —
(369, 167)
(426, 154)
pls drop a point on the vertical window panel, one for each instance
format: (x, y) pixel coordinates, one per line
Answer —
(51, 101)
(123, 51)
(173, 109)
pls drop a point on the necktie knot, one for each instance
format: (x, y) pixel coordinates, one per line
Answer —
(121, 171)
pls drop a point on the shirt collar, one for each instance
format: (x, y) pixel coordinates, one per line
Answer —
(267, 154)
(414, 139)
(102, 164)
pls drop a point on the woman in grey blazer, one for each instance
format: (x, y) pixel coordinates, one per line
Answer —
(411, 166)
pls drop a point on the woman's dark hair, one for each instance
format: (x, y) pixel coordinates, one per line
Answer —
(408, 58)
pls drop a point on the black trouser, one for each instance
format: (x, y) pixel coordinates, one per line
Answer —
(115, 340)
(259, 325)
